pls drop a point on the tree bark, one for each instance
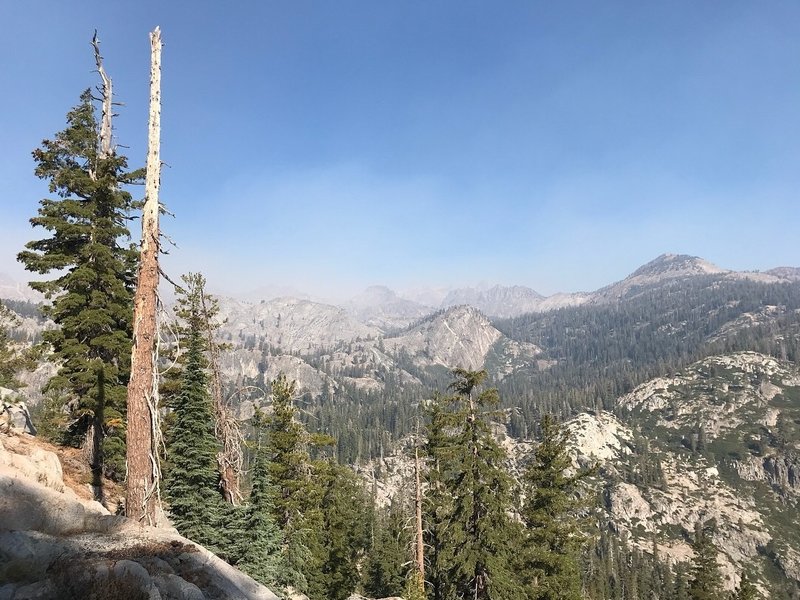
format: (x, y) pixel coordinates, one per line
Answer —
(143, 502)
(105, 121)
(226, 427)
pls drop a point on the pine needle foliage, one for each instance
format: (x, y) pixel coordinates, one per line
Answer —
(470, 497)
(415, 587)
(261, 539)
(93, 270)
(344, 533)
(746, 589)
(296, 494)
(553, 534)
(388, 559)
(706, 581)
(192, 481)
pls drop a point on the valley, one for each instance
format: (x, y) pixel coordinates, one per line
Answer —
(679, 385)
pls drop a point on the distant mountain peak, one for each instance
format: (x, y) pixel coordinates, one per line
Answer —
(374, 295)
(14, 290)
(497, 301)
(677, 265)
(788, 273)
(379, 306)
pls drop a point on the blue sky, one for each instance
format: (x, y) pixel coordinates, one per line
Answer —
(332, 145)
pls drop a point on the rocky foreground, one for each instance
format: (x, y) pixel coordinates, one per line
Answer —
(58, 543)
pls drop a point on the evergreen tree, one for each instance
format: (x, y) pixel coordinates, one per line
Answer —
(192, 480)
(706, 580)
(197, 309)
(415, 586)
(91, 291)
(261, 550)
(437, 503)
(388, 558)
(473, 492)
(553, 536)
(297, 488)
(746, 589)
(344, 534)
(681, 586)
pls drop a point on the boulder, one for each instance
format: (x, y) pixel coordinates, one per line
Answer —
(14, 414)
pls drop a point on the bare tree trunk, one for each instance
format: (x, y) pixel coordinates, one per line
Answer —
(143, 501)
(226, 427)
(105, 121)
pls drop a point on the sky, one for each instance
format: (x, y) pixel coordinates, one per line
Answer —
(327, 146)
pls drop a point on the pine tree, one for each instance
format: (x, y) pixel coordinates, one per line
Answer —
(192, 480)
(706, 580)
(437, 502)
(260, 538)
(746, 589)
(415, 586)
(297, 492)
(344, 534)
(94, 272)
(553, 536)
(388, 558)
(473, 530)
(226, 427)
(681, 585)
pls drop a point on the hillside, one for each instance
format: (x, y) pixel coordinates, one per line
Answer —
(680, 381)
(719, 440)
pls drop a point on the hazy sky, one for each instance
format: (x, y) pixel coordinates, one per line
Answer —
(333, 145)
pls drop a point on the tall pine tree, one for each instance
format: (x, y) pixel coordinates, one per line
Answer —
(706, 580)
(553, 537)
(472, 495)
(387, 563)
(343, 535)
(192, 479)
(93, 268)
(746, 589)
(297, 493)
(260, 537)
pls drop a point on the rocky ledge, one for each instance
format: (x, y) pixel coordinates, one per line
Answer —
(58, 543)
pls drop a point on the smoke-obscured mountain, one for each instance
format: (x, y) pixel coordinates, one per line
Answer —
(787, 273)
(380, 307)
(457, 337)
(510, 301)
(461, 337)
(290, 324)
(15, 290)
(672, 269)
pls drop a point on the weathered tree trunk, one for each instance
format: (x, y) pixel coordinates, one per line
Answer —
(105, 120)
(143, 502)
(226, 427)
